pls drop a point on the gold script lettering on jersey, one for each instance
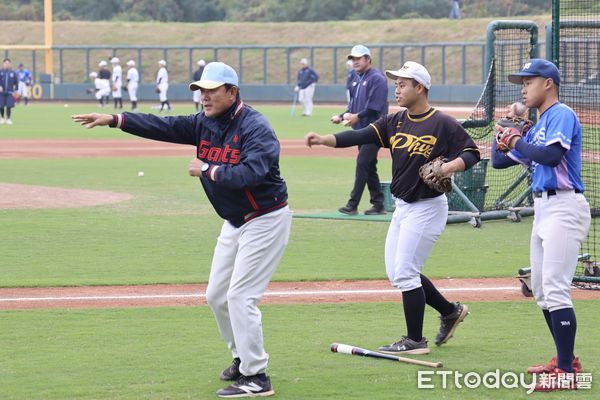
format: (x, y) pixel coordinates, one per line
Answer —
(414, 145)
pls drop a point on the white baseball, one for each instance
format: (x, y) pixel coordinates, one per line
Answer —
(66, 106)
(141, 173)
(520, 109)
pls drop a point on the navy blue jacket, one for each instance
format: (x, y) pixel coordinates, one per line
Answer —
(306, 77)
(9, 81)
(243, 181)
(368, 97)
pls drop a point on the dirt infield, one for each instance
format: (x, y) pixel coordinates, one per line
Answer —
(488, 289)
(36, 149)
(29, 196)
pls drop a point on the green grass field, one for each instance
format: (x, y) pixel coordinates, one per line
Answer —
(166, 234)
(176, 353)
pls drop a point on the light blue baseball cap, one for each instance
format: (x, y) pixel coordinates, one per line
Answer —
(215, 74)
(359, 51)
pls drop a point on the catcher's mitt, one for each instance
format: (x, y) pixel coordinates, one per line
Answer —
(431, 173)
(508, 128)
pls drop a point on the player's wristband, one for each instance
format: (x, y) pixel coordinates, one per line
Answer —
(117, 122)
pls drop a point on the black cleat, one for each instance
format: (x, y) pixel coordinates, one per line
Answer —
(450, 322)
(348, 210)
(248, 386)
(406, 346)
(375, 211)
(231, 373)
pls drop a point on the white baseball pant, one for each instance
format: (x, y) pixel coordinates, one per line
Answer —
(560, 225)
(305, 97)
(117, 94)
(414, 229)
(162, 96)
(23, 89)
(132, 90)
(243, 263)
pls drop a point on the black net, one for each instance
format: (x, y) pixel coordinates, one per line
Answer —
(487, 188)
(579, 62)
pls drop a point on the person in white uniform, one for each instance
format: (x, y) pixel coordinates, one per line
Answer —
(117, 82)
(162, 85)
(133, 80)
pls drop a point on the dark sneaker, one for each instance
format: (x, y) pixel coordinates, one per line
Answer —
(406, 346)
(450, 322)
(248, 386)
(348, 210)
(375, 211)
(231, 373)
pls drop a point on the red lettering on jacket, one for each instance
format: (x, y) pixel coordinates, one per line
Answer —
(215, 154)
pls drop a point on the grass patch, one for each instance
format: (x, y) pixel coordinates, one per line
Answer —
(176, 353)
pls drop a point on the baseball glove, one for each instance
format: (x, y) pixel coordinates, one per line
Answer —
(508, 128)
(157, 90)
(431, 174)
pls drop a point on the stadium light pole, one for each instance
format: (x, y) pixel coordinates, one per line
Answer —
(48, 35)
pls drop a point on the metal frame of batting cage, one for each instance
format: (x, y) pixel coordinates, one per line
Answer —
(515, 211)
(588, 275)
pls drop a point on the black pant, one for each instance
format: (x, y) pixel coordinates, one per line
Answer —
(366, 174)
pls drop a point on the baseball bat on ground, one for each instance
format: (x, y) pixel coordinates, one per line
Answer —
(357, 351)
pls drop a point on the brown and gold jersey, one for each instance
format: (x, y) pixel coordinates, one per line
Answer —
(414, 140)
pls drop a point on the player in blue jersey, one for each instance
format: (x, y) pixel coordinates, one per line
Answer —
(552, 148)
(24, 83)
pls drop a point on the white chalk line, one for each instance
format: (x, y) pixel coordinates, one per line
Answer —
(295, 293)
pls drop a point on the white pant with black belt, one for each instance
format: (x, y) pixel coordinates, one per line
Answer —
(414, 229)
(305, 97)
(244, 261)
(560, 225)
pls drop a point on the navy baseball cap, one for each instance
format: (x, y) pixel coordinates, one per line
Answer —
(536, 67)
(216, 74)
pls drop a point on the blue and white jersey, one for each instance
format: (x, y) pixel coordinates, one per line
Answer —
(558, 124)
(24, 76)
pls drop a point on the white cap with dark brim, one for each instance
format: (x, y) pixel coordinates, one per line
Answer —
(412, 70)
(215, 74)
(359, 51)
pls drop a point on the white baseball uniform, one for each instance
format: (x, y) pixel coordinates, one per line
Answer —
(102, 88)
(133, 79)
(162, 81)
(117, 80)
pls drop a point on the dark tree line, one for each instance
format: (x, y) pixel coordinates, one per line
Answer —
(263, 10)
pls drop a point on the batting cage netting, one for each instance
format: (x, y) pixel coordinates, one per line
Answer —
(576, 51)
(493, 191)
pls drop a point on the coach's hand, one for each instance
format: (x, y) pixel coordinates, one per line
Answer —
(92, 120)
(194, 168)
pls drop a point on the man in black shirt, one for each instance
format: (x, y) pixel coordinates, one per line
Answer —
(414, 136)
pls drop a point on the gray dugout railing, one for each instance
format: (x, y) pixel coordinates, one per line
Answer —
(451, 62)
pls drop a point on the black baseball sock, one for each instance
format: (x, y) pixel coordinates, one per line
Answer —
(8, 112)
(435, 299)
(133, 105)
(2, 112)
(564, 326)
(120, 102)
(548, 319)
(26, 100)
(413, 302)
(168, 105)
(115, 102)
